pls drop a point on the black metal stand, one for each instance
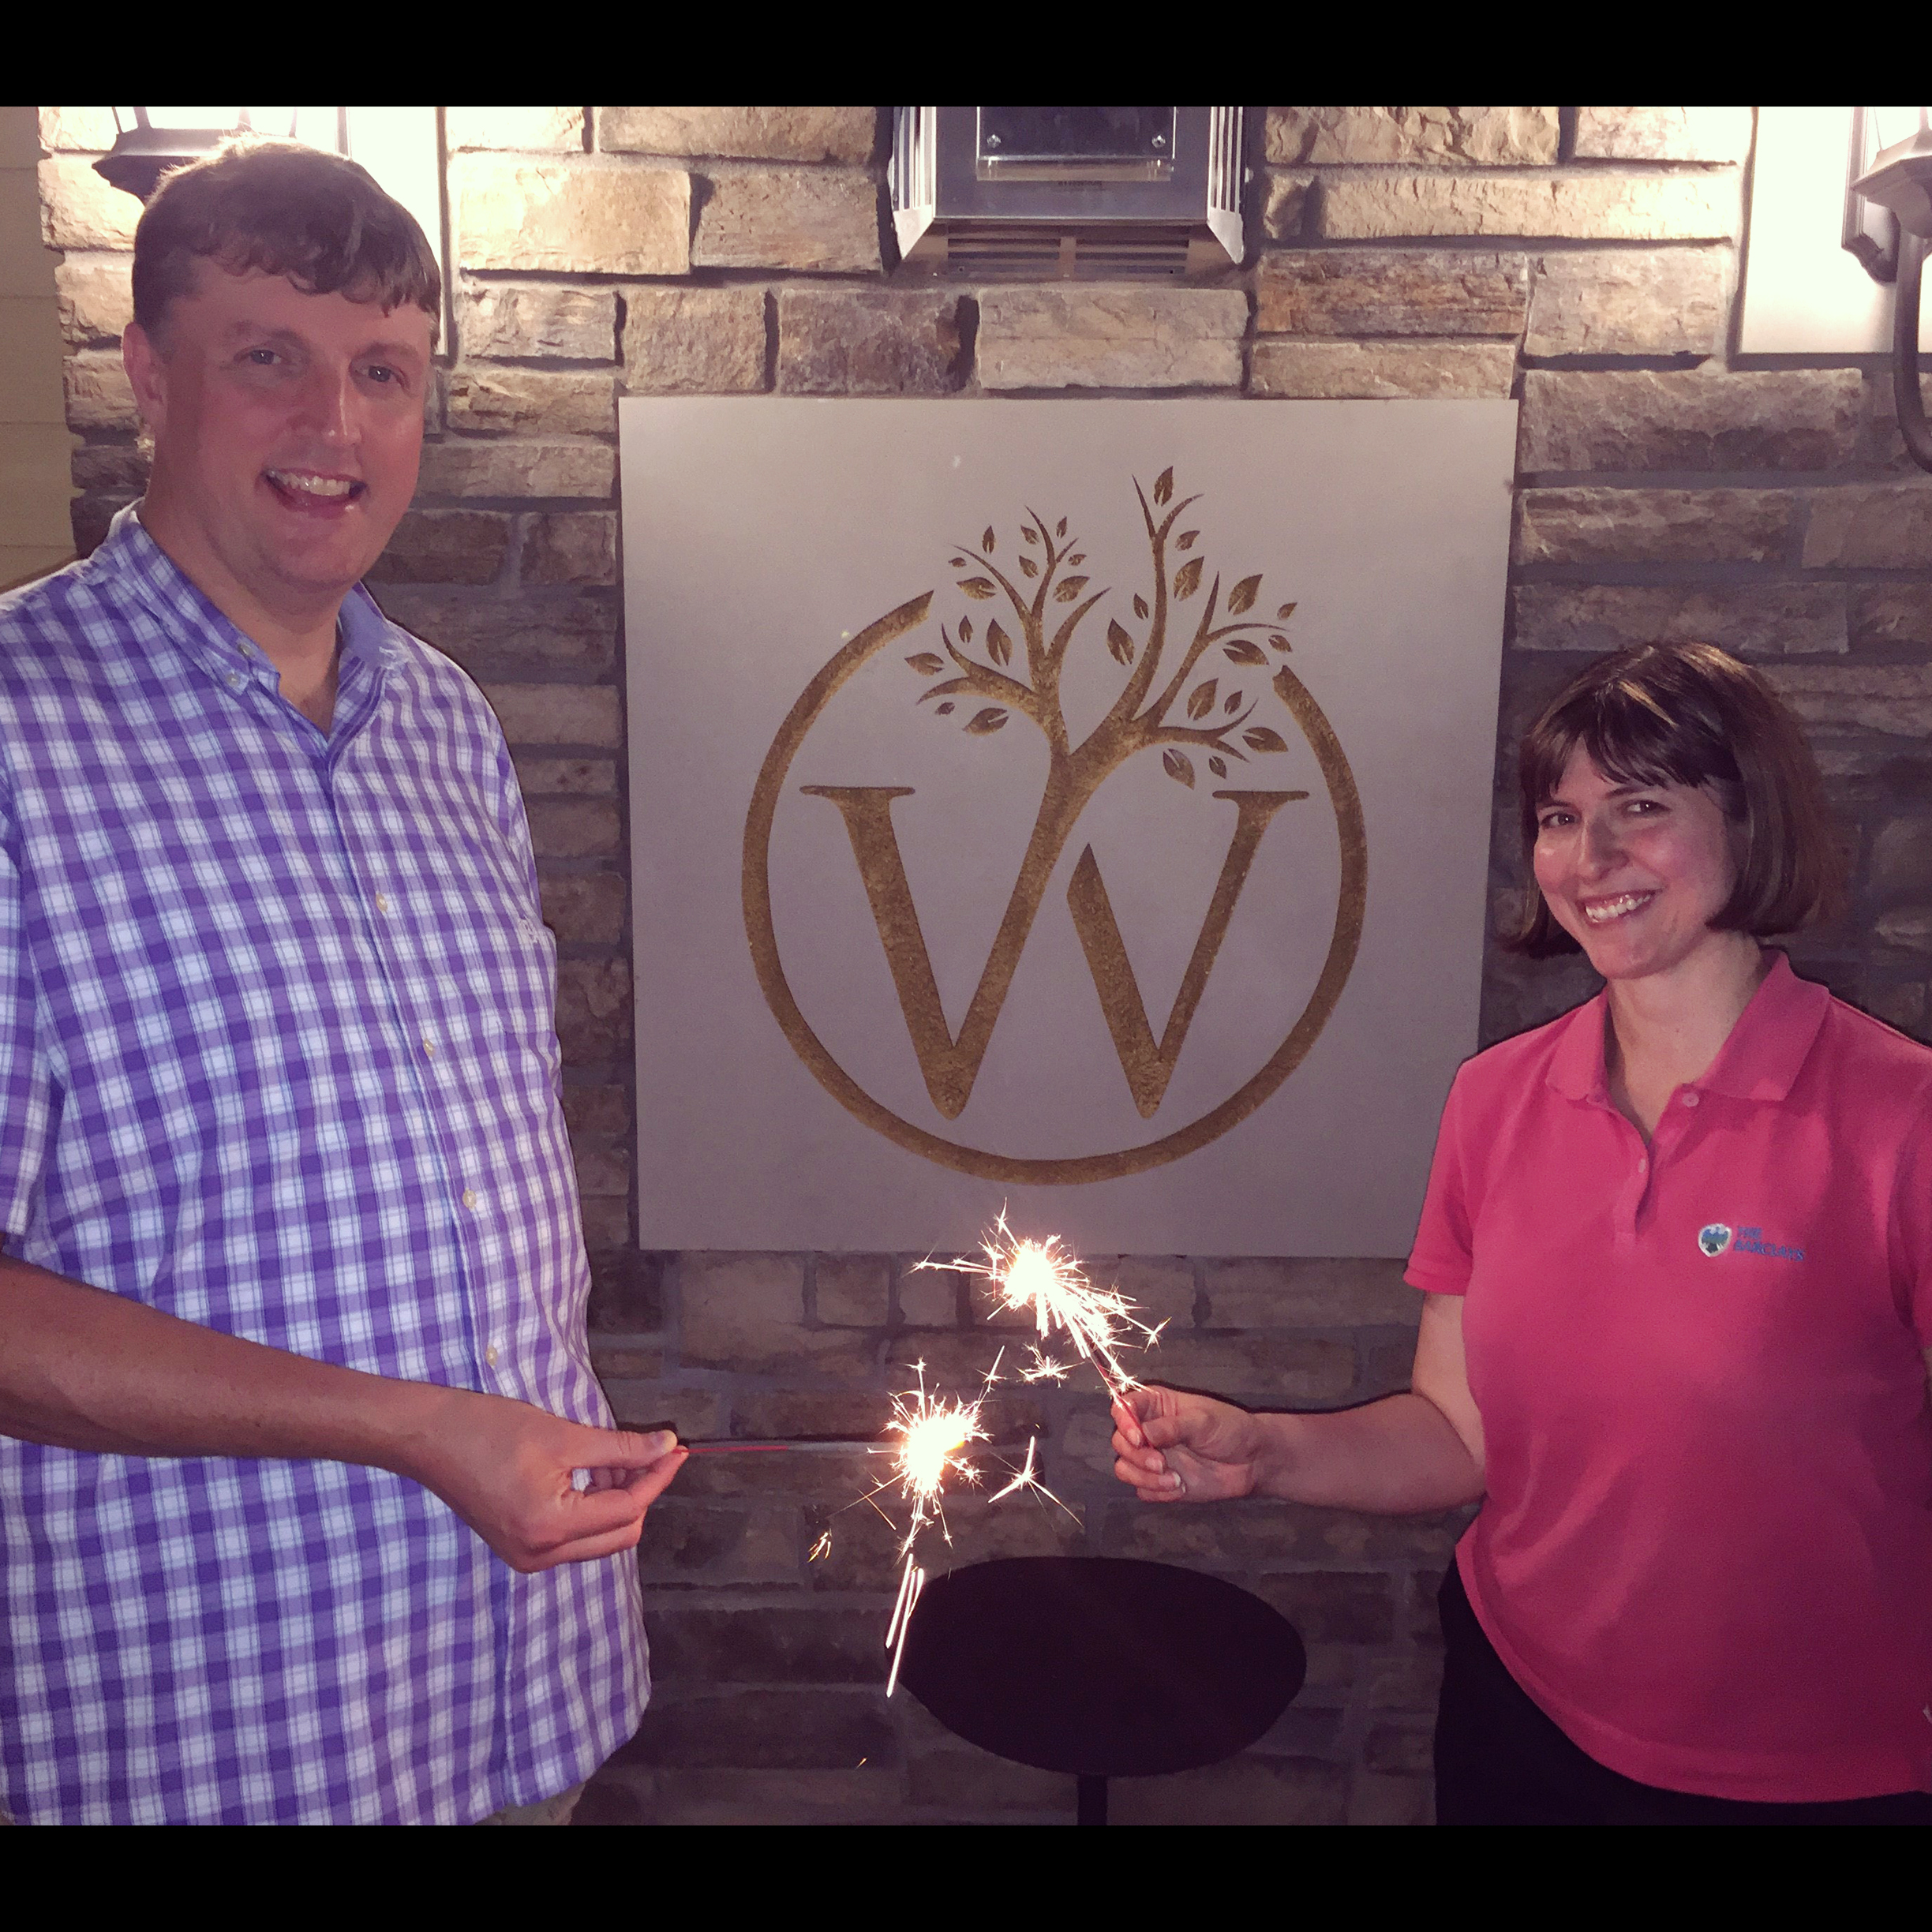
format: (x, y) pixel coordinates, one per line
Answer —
(1100, 1666)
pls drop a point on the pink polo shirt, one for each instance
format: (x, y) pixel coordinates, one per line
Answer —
(1705, 1550)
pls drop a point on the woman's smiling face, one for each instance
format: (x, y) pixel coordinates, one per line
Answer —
(1633, 873)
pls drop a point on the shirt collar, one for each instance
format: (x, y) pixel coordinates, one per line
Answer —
(203, 631)
(1759, 1061)
(366, 634)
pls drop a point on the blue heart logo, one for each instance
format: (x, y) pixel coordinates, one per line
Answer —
(1714, 1239)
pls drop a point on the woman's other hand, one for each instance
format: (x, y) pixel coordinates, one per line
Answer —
(1171, 1448)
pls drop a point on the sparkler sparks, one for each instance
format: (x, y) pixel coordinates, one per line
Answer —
(1025, 1479)
(1047, 1279)
(932, 1437)
(1044, 1369)
(934, 1431)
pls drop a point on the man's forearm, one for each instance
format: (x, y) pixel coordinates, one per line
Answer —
(80, 1368)
(1394, 1456)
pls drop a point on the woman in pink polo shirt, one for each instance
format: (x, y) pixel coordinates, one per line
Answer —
(1677, 1253)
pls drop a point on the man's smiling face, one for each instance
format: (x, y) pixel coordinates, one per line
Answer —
(288, 427)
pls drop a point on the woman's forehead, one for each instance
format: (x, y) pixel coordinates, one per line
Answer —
(1582, 776)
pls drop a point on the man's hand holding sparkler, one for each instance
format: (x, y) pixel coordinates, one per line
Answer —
(539, 1490)
(1173, 1448)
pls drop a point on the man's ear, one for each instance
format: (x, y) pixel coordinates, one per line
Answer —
(147, 374)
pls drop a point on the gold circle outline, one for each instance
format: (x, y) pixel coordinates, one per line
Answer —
(1351, 901)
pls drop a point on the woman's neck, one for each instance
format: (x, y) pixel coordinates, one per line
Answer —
(1665, 1029)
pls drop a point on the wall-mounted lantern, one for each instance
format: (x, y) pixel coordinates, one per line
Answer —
(1897, 185)
(1820, 273)
(152, 140)
(1068, 192)
(401, 147)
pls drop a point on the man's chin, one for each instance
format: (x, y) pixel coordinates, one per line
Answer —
(327, 566)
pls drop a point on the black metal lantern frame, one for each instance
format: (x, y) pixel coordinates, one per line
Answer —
(144, 150)
(1898, 182)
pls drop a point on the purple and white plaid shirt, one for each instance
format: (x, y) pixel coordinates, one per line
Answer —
(278, 1056)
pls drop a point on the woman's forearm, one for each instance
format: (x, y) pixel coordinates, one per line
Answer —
(1398, 1456)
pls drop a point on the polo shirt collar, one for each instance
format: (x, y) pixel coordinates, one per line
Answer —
(1759, 1061)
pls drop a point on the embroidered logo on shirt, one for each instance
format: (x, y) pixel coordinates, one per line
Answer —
(1717, 1239)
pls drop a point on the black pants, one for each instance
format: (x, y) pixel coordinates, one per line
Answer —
(1500, 1760)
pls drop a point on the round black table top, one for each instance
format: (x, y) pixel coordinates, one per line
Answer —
(1100, 1665)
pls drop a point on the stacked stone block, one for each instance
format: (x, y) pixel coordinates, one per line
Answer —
(1582, 259)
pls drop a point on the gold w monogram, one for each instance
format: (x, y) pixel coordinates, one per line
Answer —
(950, 1062)
(1192, 697)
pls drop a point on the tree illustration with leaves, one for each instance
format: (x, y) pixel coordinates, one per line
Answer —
(1210, 722)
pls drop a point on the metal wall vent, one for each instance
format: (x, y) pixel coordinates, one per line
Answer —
(1072, 193)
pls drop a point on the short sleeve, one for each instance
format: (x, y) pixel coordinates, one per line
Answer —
(24, 1110)
(1441, 1261)
(1910, 1232)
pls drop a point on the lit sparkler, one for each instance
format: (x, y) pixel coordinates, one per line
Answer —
(934, 1431)
(931, 1432)
(1047, 1279)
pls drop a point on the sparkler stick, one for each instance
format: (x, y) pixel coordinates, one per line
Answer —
(801, 1445)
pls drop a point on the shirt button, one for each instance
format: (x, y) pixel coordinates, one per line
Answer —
(429, 1049)
(382, 902)
(1690, 1100)
(468, 1198)
(1643, 1166)
(233, 680)
(490, 1355)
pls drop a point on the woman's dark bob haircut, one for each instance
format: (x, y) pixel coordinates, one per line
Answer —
(282, 209)
(1690, 714)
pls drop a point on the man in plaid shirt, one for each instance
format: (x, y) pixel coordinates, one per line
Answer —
(310, 1506)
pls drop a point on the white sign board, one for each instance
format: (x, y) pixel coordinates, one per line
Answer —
(1082, 806)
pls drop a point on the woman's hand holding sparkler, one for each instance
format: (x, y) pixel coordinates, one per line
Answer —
(1419, 1451)
(1171, 1448)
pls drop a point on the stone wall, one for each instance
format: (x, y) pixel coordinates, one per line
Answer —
(1585, 260)
(34, 442)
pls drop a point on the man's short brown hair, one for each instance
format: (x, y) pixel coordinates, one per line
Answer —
(1691, 714)
(283, 209)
